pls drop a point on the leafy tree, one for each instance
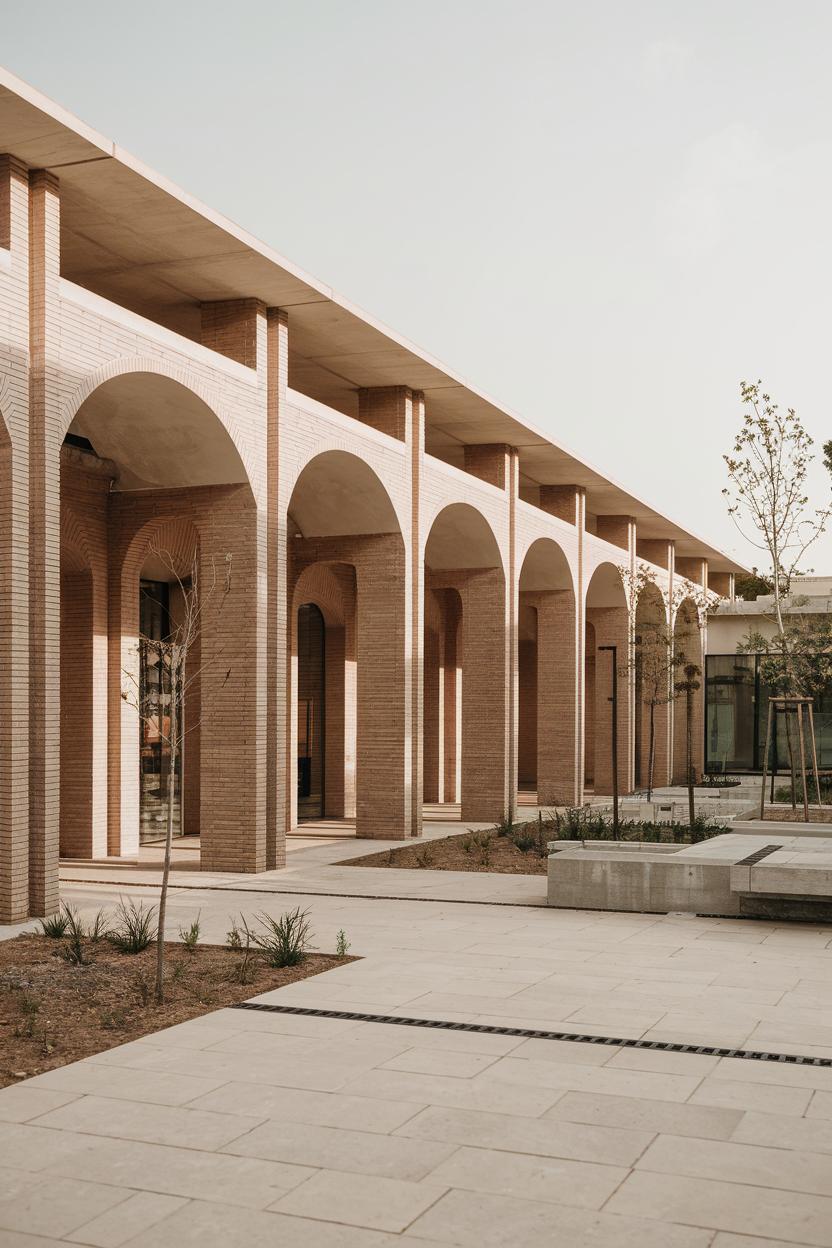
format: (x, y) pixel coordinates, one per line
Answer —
(768, 502)
(767, 499)
(753, 585)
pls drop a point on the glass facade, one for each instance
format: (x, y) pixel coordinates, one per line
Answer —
(736, 712)
(311, 691)
(154, 754)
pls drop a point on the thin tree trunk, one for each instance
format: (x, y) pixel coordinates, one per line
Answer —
(171, 796)
(791, 759)
(652, 752)
(689, 726)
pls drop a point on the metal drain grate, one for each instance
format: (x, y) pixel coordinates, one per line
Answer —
(758, 855)
(527, 1033)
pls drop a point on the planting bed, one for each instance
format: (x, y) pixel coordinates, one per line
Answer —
(525, 850)
(53, 1012)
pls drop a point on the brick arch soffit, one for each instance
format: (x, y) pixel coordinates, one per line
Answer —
(147, 364)
(619, 586)
(178, 536)
(429, 523)
(318, 584)
(562, 560)
(686, 620)
(316, 451)
(653, 601)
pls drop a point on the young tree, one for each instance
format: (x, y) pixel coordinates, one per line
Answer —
(768, 502)
(163, 704)
(688, 685)
(652, 659)
(767, 497)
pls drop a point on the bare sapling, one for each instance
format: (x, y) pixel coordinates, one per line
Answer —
(175, 678)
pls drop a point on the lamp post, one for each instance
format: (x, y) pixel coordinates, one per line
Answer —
(614, 700)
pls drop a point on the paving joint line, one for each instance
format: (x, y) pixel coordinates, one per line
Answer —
(527, 1033)
(306, 892)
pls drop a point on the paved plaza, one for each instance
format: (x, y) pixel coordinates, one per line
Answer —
(257, 1128)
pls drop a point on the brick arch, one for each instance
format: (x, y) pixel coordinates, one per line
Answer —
(652, 680)
(548, 683)
(441, 768)
(184, 377)
(336, 493)
(605, 587)
(331, 587)
(178, 538)
(607, 611)
(550, 563)
(462, 527)
(687, 642)
(462, 553)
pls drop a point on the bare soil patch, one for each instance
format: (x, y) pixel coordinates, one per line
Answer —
(52, 1012)
(458, 853)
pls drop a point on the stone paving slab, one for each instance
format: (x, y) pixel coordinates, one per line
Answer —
(251, 1128)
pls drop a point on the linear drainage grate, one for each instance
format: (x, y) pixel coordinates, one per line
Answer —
(527, 1033)
(758, 856)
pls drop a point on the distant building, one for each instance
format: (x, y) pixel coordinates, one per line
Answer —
(736, 699)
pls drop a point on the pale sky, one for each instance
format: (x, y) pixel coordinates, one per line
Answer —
(605, 214)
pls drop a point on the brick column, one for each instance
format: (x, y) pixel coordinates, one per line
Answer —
(45, 437)
(433, 787)
(14, 550)
(557, 754)
(415, 630)
(278, 807)
(383, 801)
(452, 697)
(722, 583)
(485, 696)
(561, 645)
(232, 732)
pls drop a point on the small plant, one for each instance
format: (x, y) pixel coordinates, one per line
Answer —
(29, 1008)
(467, 843)
(144, 988)
(341, 944)
(74, 951)
(284, 941)
(55, 925)
(190, 935)
(424, 856)
(483, 843)
(134, 929)
(505, 827)
(233, 937)
(525, 842)
(98, 929)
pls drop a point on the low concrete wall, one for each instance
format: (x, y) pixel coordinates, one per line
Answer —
(649, 882)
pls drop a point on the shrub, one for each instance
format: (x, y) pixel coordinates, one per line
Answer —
(284, 941)
(341, 944)
(783, 793)
(424, 856)
(134, 928)
(98, 929)
(55, 925)
(506, 825)
(190, 935)
(74, 951)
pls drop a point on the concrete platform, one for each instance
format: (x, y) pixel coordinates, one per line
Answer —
(762, 874)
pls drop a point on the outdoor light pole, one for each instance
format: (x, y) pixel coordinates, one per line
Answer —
(614, 700)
